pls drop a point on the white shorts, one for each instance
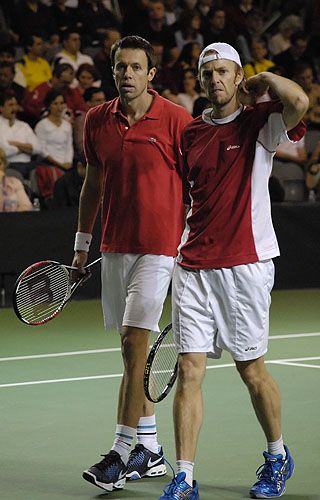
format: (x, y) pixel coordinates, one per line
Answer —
(223, 309)
(134, 288)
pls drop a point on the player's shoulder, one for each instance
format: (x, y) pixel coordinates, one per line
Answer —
(174, 110)
(100, 112)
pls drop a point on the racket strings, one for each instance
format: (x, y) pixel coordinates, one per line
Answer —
(42, 292)
(162, 367)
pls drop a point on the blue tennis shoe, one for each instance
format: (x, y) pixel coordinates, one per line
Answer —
(178, 489)
(272, 476)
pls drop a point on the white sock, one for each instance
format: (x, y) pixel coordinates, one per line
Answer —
(123, 440)
(147, 433)
(277, 448)
(187, 467)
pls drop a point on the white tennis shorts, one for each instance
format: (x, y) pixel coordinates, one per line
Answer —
(134, 288)
(223, 309)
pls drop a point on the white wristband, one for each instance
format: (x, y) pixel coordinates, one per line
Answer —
(82, 241)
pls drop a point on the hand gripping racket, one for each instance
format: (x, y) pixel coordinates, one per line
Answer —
(43, 289)
(161, 368)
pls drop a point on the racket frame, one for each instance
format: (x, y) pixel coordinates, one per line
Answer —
(148, 368)
(69, 292)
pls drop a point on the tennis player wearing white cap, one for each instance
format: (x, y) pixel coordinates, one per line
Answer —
(224, 276)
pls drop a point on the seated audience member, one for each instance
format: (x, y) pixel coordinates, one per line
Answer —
(70, 54)
(56, 144)
(7, 73)
(259, 61)
(17, 138)
(64, 18)
(93, 97)
(188, 31)
(102, 62)
(62, 77)
(172, 76)
(313, 172)
(254, 26)
(31, 16)
(303, 75)
(13, 197)
(280, 41)
(87, 76)
(217, 29)
(156, 31)
(190, 90)
(68, 187)
(7, 55)
(289, 166)
(35, 68)
(95, 19)
(295, 54)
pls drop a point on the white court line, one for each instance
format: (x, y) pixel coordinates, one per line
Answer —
(118, 375)
(117, 349)
(303, 365)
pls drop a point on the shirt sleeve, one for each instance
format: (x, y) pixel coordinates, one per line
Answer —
(88, 147)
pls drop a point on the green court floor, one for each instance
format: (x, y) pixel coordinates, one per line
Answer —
(58, 393)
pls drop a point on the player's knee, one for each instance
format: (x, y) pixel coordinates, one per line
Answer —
(252, 373)
(131, 349)
(191, 369)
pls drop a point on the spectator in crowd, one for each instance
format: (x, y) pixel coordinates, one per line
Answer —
(31, 16)
(7, 55)
(35, 68)
(7, 73)
(303, 75)
(280, 41)
(62, 77)
(313, 172)
(67, 188)
(87, 76)
(296, 53)
(259, 61)
(190, 90)
(216, 30)
(289, 165)
(70, 53)
(171, 77)
(17, 138)
(64, 18)
(103, 63)
(188, 31)
(13, 197)
(95, 19)
(171, 12)
(93, 97)
(254, 27)
(155, 31)
(56, 143)
(237, 14)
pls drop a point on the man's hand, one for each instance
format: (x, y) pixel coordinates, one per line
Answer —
(79, 261)
(250, 90)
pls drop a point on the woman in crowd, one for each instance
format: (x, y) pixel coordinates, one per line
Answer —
(13, 197)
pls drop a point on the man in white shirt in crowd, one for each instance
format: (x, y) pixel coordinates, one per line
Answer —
(71, 51)
(17, 138)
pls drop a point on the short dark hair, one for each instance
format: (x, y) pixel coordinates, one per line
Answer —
(134, 42)
(28, 40)
(6, 95)
(90, 68)
(60, 68)
(51, 96)
(6, 64)
(88, 93)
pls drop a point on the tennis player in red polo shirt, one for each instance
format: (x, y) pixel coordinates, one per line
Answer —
(132, 149)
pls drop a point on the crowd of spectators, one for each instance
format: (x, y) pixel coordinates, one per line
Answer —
(55, 65)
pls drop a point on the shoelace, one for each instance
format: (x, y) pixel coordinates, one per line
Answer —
(266, 470)
(109, 459)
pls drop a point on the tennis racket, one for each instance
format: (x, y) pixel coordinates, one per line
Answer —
(161, 368)
(43, 289)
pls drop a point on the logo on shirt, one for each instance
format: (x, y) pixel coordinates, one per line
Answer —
(253, 348)
(232, 147)
(152, 139)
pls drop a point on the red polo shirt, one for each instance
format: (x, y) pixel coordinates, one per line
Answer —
(142, 208)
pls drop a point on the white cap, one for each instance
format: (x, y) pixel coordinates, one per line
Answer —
(216, 51)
